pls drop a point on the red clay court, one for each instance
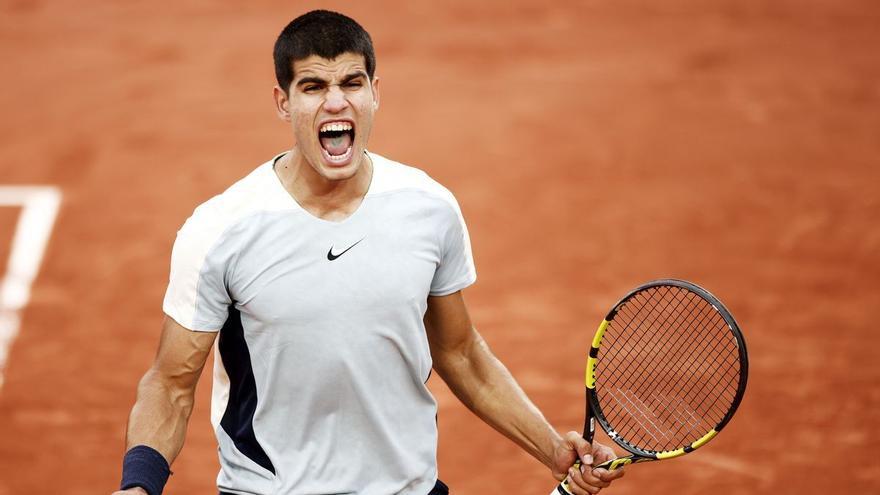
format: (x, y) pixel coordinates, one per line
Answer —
(592, 145)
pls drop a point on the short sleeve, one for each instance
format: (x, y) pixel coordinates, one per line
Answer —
(456, 270)
(197, 297)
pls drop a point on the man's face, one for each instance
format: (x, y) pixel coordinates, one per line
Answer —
(330, 105)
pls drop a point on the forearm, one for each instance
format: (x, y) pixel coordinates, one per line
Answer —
(488, 389)
(159, 417)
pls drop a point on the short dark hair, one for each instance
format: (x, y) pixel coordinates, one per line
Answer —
(322, 33)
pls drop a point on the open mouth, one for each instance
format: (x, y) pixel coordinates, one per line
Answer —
(337, 139)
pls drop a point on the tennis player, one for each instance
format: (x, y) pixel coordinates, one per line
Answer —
(330, 279)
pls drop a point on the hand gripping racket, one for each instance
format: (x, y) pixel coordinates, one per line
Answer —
(666, 371)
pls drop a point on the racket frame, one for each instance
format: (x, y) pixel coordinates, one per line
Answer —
(594, 409)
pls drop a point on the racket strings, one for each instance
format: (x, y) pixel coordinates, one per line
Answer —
(664, 343)
(686, 418)
(668, 369)
(673, 410)
(676, 407)
(713, 353)
(663, 339)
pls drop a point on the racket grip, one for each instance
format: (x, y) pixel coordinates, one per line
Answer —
(560, 490)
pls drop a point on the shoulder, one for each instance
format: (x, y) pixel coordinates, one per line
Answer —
(391, 177)
(250, 195)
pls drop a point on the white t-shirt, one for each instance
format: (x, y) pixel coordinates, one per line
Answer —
(322, 357)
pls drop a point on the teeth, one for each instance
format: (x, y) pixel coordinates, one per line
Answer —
(336, 127)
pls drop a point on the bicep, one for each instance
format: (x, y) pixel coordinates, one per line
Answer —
(449, 326)
(182, 353)
(461, 356)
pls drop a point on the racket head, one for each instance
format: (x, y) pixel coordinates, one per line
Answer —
(667, 369)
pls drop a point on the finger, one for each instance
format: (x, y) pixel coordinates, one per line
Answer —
(576, 483)
(586, 462)
(582, 447)
(602, 453)
(566, 455)
(591, 479)
(608, 476)
(585, 483)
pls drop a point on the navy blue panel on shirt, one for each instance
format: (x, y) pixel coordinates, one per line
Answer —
(238, 420)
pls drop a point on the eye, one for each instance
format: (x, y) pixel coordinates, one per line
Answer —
(311, 88)
(354, 84)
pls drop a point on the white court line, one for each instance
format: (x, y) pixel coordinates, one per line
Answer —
(39, 207)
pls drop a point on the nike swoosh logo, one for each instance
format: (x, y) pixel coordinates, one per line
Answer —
(331, 256)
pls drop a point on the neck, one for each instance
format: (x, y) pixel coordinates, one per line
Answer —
(322, 197)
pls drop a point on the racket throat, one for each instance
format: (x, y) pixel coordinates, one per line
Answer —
(590, 429)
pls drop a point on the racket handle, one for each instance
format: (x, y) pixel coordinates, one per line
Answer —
(560, 490)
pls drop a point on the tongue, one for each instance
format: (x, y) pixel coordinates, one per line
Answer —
(337, 145)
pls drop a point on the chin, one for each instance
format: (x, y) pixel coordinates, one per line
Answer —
(336, 174)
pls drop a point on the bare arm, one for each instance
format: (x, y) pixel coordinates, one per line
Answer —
(166, 392)
(464, 361)
(482, 383)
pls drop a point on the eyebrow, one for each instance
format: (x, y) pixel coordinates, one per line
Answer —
(317, 80)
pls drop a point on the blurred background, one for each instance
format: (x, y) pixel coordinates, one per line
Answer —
(592, 145)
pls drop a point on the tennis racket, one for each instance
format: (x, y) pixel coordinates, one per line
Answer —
(666, 371)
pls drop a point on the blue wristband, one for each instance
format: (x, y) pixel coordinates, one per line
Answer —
(145, 467)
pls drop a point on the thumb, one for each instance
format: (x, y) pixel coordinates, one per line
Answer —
(583, 448)
(585, 452)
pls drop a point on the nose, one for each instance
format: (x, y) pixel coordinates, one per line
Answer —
(335, 101)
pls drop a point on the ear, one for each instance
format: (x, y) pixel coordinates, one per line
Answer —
(375, 89)
(282, 103)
